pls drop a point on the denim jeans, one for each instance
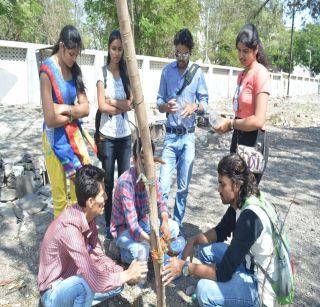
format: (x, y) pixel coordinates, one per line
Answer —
(110, 151)
(178, 153)
(240, 290)
(129, 248)
(74, 291)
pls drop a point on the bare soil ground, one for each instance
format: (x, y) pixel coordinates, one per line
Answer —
(292, 175)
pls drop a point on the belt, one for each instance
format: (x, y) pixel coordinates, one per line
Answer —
(179, 130)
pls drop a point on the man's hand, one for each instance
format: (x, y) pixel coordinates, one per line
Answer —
(189, 109)
(223, 126)
(172, 106)
(137, 271)
(172, 270)
(189, 250)
(165, 229)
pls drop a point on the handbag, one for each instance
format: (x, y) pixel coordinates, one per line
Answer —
(253, 156)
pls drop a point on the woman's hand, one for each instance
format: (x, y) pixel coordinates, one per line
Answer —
(223, 126)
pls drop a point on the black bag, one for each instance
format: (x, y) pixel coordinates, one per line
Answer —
(98, 113)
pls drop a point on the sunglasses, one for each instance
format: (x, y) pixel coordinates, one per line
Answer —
(183, 56)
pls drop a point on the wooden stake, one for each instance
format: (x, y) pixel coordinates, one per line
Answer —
(141, 115)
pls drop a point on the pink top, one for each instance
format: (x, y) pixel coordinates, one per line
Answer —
(71, 247)
(251, 84)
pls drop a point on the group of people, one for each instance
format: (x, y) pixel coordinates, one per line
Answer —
(74, 271)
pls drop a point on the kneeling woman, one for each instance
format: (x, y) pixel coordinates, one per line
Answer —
(227, 272)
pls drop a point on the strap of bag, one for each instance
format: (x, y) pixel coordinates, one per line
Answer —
(187, 79)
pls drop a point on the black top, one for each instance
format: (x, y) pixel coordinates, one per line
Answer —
(246, 230)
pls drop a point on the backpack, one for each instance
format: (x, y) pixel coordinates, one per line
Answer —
(97, 119)
(283, 287)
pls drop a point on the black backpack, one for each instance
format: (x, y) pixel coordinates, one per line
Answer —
(98, 113)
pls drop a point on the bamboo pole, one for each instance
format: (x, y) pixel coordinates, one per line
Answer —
(141, 116)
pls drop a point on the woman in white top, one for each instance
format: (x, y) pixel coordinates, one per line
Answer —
(114, 100)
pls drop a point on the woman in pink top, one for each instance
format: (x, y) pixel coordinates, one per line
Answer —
(251, 97)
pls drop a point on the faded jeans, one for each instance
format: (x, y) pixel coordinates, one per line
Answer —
(74, 292)
(240, 290)
(178, 153)
(129, 248)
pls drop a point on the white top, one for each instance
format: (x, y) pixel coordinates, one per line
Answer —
(115, 126)
(261, 251)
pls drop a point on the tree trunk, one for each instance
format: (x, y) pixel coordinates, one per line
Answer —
(141, 115)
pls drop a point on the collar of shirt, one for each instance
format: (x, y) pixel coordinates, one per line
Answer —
(138, 185)
(175, 65)
(77, 216)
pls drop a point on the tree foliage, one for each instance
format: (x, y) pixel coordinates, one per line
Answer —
(308, 39)
(38, 21)
(155, 22)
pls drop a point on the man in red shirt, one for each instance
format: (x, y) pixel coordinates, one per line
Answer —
(74, 271)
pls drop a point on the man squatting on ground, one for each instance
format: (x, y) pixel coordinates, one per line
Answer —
(73, 269)
(130, 223)
(179, 142)
(227, 274)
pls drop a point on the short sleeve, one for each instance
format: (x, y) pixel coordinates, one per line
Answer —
(261, 82)
(100, 76)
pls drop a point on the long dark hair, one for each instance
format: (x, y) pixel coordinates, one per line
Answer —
(71, 39)
(236, 169)
(115, 34)
(249, 36)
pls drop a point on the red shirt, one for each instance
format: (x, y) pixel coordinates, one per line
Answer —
(251, 84)
(71, 247)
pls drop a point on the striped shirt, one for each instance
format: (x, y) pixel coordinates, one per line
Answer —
(71, 247)
(130, 205)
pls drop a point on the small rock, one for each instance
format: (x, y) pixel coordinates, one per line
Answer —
(26, 184)
(32, 203)
(7, 169)
(45, 191)
(7, 194)
(18, 170)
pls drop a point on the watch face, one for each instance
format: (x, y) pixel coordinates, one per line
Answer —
(185, 271)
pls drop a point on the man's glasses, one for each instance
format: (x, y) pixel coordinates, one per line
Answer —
(183, 56)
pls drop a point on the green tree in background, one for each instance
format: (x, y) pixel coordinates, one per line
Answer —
(308, 39)
(37, 21)
(155, 23)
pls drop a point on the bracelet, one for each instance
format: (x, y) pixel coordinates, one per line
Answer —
(70, 115)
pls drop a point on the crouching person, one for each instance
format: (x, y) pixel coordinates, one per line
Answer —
(228, 275)
(74, 271)
(130, 223)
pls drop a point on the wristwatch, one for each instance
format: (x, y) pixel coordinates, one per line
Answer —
(231, 124)
(185, 269)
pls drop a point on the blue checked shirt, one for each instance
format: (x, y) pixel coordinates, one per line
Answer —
(196, 92)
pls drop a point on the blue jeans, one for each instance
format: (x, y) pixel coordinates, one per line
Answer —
(111, 151)
(178, 152)
(240, 290)
(129, 248)
(74, 292)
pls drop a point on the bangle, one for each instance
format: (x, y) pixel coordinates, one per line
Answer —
(70, 115)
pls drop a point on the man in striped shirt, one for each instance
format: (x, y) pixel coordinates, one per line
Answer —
(73, 268)
(130, 224)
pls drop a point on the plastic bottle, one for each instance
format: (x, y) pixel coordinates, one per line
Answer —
(143, 255)
(214, 119)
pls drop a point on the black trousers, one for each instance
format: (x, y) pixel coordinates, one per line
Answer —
(251, 138)
(110, 151)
